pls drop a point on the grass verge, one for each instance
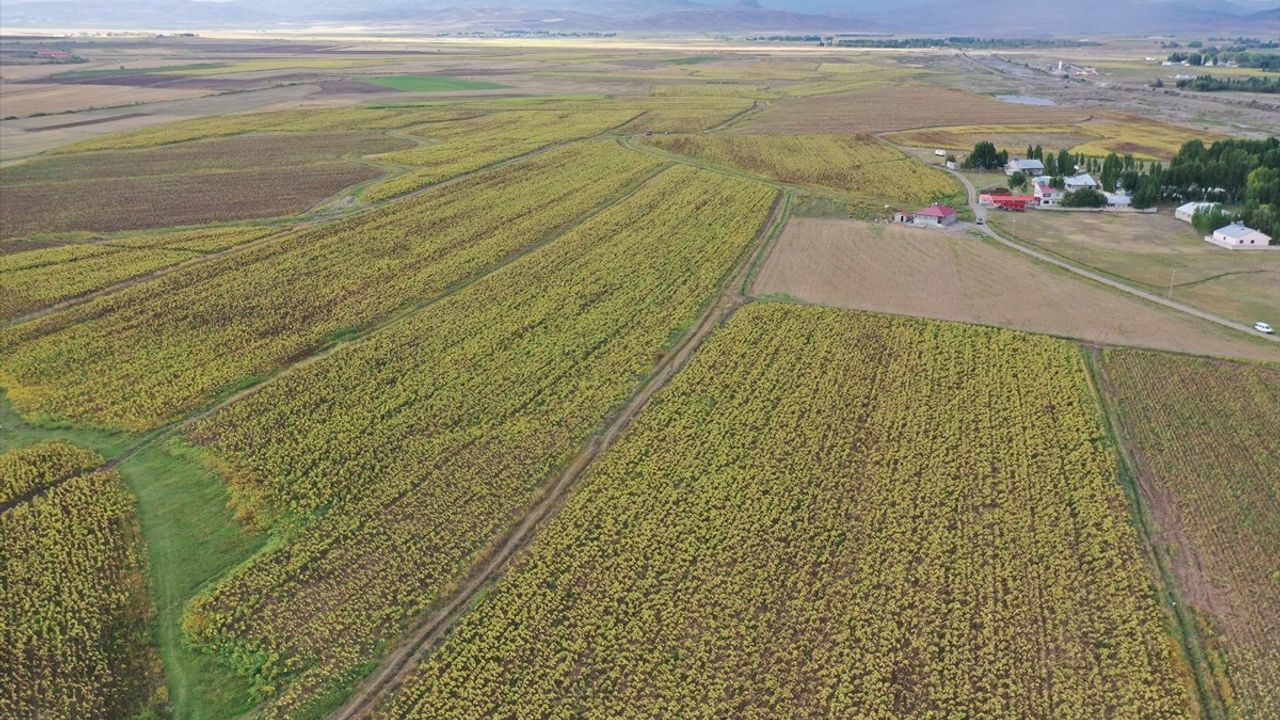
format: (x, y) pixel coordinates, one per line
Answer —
(192, 538)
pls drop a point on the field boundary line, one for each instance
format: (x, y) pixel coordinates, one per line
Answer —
(436, 625)
(1188, 631)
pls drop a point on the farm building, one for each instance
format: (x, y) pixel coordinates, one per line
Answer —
(1117, 201)
(1015, 203)
(1084, 181)
(1185, 213)
(1026, 167)
(1236, 235)
(933, 216)
(1045, 194)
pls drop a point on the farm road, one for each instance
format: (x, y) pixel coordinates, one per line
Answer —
(420, 640)
(980, 211)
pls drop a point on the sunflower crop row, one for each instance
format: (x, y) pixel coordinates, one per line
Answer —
(156, 351)
(848, 163)
(390, 466)
(466, 145)
(1205, 435)
(74, 635)
(831, 514)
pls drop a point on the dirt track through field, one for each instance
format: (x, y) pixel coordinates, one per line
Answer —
(433, 628)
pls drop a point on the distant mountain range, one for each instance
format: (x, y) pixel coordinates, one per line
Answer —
(969, 17)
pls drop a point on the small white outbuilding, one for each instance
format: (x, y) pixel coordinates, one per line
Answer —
(1186, 212)
(1236, 235)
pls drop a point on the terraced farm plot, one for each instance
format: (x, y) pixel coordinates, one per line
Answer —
(40, 277)
(74, 636)
(389, 467)
(1209, 469)
(1153, 251)
(190, 184)
(897, 107)
(829, 514)
(846, 163)
(466, 145)
(947, 276)
(156, 351)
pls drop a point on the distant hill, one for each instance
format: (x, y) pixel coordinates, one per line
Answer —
(934, 17)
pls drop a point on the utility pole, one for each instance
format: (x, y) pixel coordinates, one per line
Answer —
(1171, 274)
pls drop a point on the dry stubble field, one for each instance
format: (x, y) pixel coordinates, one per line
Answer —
(953, 276)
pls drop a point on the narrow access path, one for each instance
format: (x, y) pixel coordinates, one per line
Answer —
(422, 637)
(981, 212)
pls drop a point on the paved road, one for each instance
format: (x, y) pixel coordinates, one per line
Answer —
(981, 212)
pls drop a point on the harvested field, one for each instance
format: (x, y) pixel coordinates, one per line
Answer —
(1151, 251)
(83, 123)
(1209, 468)
(898, 107)
(922, 272)
(253, 176)
(32, 99)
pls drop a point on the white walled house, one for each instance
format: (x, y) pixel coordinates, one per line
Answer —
(1047, 195)
(1187, 212)
(933, 216)
(1236, 235)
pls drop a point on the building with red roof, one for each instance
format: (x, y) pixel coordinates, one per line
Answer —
(933, 216)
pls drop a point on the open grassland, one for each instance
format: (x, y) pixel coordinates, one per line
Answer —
(1111, 132)
(387, 468)
(465, 145)
(37, 278)
(161, 349)
(846, 163)
(277, 63)
(917, 271)
(1209, 469)
(255, 176)
(1153, 250)
(897, 107)
(831, 514)
(74, 615)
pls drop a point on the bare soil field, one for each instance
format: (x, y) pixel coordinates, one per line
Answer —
(28, 99)
(1154, 251)
(949, 276)
(899, 107)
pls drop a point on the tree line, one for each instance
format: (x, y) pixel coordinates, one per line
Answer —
(1209, 83)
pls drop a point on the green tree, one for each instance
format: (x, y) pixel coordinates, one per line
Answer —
(1084, 199)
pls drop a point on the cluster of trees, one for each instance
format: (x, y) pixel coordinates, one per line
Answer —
(1114, 172)
(1214, 56)
(1209, 83)
(959, 42)
(1242, 173)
